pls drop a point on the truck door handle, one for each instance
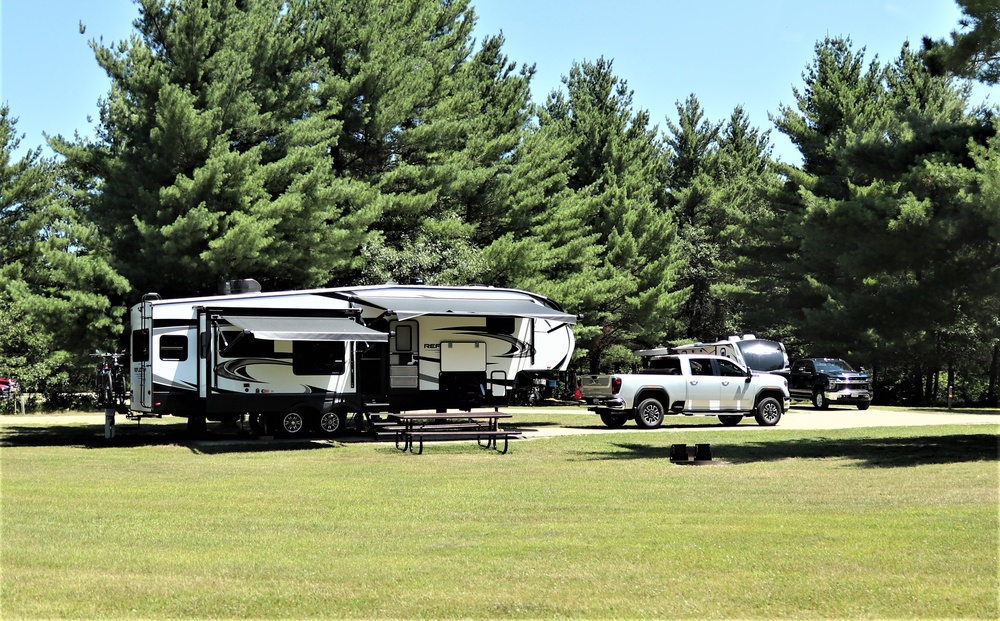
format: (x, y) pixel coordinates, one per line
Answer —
(725, 383)
(694, 382)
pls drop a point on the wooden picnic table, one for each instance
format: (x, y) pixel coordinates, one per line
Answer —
(415, 427)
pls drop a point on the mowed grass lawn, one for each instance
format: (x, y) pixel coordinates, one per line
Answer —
(875, 523)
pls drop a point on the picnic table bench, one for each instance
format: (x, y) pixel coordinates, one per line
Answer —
(415, 428)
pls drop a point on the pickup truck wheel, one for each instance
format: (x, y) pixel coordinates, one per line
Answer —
(768, 412)
(614, 420)
(863, 406)
(649, 414)
(730, 420)
(819, 400)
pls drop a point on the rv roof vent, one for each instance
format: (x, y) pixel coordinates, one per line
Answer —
(246, 285)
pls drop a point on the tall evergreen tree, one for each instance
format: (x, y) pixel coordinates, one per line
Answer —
(974, 49)
(212, 158)
(304, 143)
(697, 205)
(881, 246)
(796, 253)
(618, 171)
(57, 290)
(719, 178)
(746, 178)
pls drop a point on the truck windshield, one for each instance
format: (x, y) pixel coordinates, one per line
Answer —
(832, 366)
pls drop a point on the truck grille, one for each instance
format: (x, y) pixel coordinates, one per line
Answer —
(850, 385)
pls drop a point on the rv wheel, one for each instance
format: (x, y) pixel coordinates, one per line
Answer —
(332, 423)
(290, 424)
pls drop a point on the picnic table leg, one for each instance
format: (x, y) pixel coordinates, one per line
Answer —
(491, 442)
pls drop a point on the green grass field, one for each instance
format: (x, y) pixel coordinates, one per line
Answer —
(852, 524)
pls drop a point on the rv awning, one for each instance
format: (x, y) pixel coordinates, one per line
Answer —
(408, 307)
(306, 328)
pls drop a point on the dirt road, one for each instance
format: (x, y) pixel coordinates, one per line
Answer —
(800, 417)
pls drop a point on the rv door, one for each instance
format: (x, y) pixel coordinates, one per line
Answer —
(141, 373)
(404, 359)
(206, 353)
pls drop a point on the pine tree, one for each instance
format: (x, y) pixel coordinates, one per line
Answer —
(57, 291)
(746, 178)
(885, 253)
(618, 176)
(719, 178)
(697, 205)
(212, 157)
(973, 51)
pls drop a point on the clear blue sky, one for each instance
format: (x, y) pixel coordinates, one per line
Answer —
(726, 52)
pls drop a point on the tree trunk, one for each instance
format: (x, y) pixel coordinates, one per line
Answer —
(991, 392)
(951, 377)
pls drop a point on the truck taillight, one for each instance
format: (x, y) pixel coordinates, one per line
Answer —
(616, 385)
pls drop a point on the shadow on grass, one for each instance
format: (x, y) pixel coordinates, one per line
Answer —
(893, 452)
(127, 436)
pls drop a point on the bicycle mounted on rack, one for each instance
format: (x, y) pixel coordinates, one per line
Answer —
(110, 381)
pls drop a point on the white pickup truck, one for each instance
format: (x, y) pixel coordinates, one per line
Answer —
(692, 385)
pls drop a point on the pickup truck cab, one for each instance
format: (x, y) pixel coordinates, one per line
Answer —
(829, 380)
(692, 385)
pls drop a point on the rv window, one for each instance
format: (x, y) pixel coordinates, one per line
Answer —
(318, 358)
(404, 338)
(245, 346)
(500, 325)
(173, 347)
(140, 346)
(763, 355)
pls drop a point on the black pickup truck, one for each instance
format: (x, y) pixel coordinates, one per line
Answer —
(826, 381)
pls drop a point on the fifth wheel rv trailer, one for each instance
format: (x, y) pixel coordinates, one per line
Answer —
(301, 361)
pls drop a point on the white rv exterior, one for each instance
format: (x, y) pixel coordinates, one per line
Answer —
(307, 360)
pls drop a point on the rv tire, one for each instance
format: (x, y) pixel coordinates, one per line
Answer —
(289, 424)
(332, 423)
